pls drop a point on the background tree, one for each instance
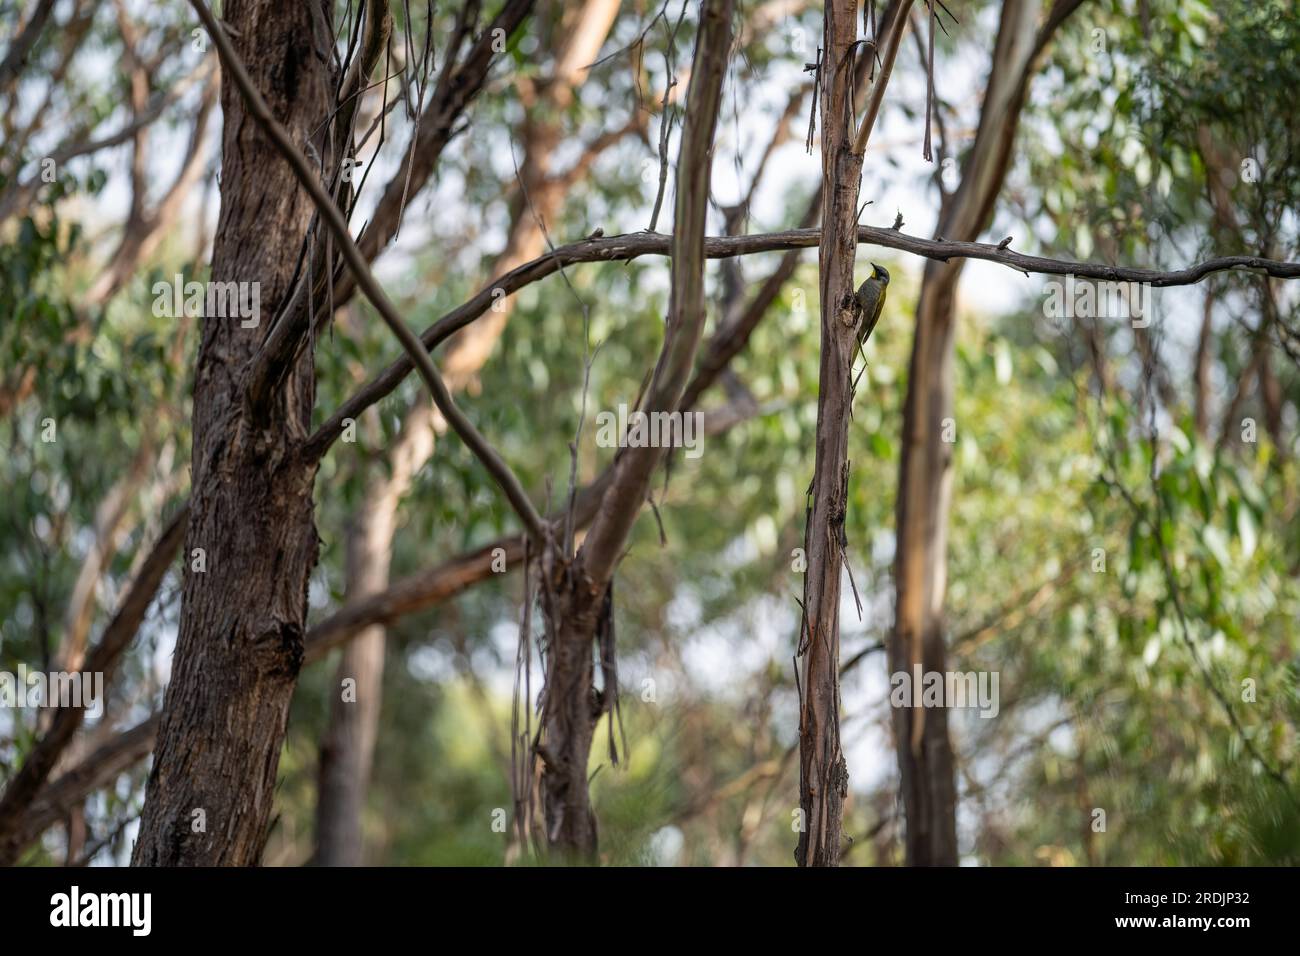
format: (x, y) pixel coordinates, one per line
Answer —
(1119, 550)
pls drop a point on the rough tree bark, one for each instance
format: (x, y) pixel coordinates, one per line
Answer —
(823, 775)
(243, 617)
(921, 738)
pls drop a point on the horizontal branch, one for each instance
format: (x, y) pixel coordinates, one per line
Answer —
(625, 248)
(18, 195)
(98, 769)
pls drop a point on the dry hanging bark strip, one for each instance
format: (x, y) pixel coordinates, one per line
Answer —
(523, 753)
(929, 89)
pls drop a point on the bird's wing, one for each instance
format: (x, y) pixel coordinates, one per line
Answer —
(875, 314)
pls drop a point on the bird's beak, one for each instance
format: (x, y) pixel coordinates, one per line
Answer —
(875, 271)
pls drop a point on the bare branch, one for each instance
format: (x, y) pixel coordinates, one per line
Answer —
(631, 246)
(735, 332)
(893, 41)
(26, 784)
(17, 196)
(94, 771)
(145, 228)
(16, 58)
(365, 279)
(686, 312)
(437, 123)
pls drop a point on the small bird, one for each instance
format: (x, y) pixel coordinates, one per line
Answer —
(871, 300)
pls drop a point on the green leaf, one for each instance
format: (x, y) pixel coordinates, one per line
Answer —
(1246, 531)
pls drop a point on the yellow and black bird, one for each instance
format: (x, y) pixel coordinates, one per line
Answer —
(871, 300)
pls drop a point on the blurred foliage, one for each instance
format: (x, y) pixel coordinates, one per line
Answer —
(1122, 611)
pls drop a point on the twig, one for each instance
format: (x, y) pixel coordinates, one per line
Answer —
(333, 219)
(631, 246)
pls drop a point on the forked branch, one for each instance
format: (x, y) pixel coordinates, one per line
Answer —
(338, 228)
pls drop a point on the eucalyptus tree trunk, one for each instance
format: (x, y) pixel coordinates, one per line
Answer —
(348, 745)
(921, 736)
(251, 541)
(823, 774)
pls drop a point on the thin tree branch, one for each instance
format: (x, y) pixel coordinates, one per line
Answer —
(94, 771)
(631, 246)
(26, 784)
(19, 194)
(456, 90)
(686, 312)
(893, 41)
(16, 58)
(146, 228)
(338, 227)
